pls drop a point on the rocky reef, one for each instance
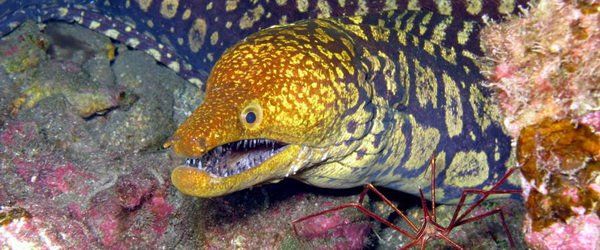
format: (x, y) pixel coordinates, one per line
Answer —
(544, 66)
(80, 153)
(83, 120)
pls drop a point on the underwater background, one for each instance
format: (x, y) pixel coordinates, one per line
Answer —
(83, 119)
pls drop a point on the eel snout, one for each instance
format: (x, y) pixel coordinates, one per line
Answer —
(225, 170)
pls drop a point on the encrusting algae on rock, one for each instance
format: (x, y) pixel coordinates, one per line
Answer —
(29, 48)
(545, 64)
(10, 214)
(77, 135)
(545, 70)
(561, 165)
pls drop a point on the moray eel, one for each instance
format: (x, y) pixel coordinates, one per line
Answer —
(341, 102)
(361, 92)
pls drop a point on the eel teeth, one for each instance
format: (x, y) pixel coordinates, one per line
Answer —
(233, 158)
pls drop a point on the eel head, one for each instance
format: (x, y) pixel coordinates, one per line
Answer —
(270, 105)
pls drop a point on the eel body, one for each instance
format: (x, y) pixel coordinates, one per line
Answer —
(189, 36)
(357, 95)
(341, 102)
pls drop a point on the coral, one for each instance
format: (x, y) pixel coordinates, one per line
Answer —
(52, 178)
(18, 134)
(162, 210)
(67, 182)
(26, 51)
(260, 218)
(591, 120)
(546, 63)
(338, 228)
(144, 215)
(8, 215)
(61, 203)
(545, 69)
(49, 230)
(577, 233)
(560, 166)
(131, 190)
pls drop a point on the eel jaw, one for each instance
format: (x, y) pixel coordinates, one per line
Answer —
(235, 166)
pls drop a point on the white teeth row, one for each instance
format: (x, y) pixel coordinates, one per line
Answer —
(210, 161)
(253, 142)
(194, 162)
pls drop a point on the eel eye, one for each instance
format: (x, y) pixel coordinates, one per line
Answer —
(251, 116)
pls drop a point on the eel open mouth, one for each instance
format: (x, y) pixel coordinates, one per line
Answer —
(236, 157)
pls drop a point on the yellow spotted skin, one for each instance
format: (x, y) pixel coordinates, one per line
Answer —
(359, 99)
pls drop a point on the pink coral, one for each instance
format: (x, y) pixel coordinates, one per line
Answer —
(132, 190)
(44, 229)
(58, 180)
(17, 134)
(320, 226)
(577, 232)
(160, 207)
(353, 236)
(161, 210)
(545, 63)
(110, 231)
(592, 120)
(52, 177)
(138, 209)
(347, 234)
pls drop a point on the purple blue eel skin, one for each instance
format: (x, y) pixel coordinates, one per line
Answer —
(189, 36)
